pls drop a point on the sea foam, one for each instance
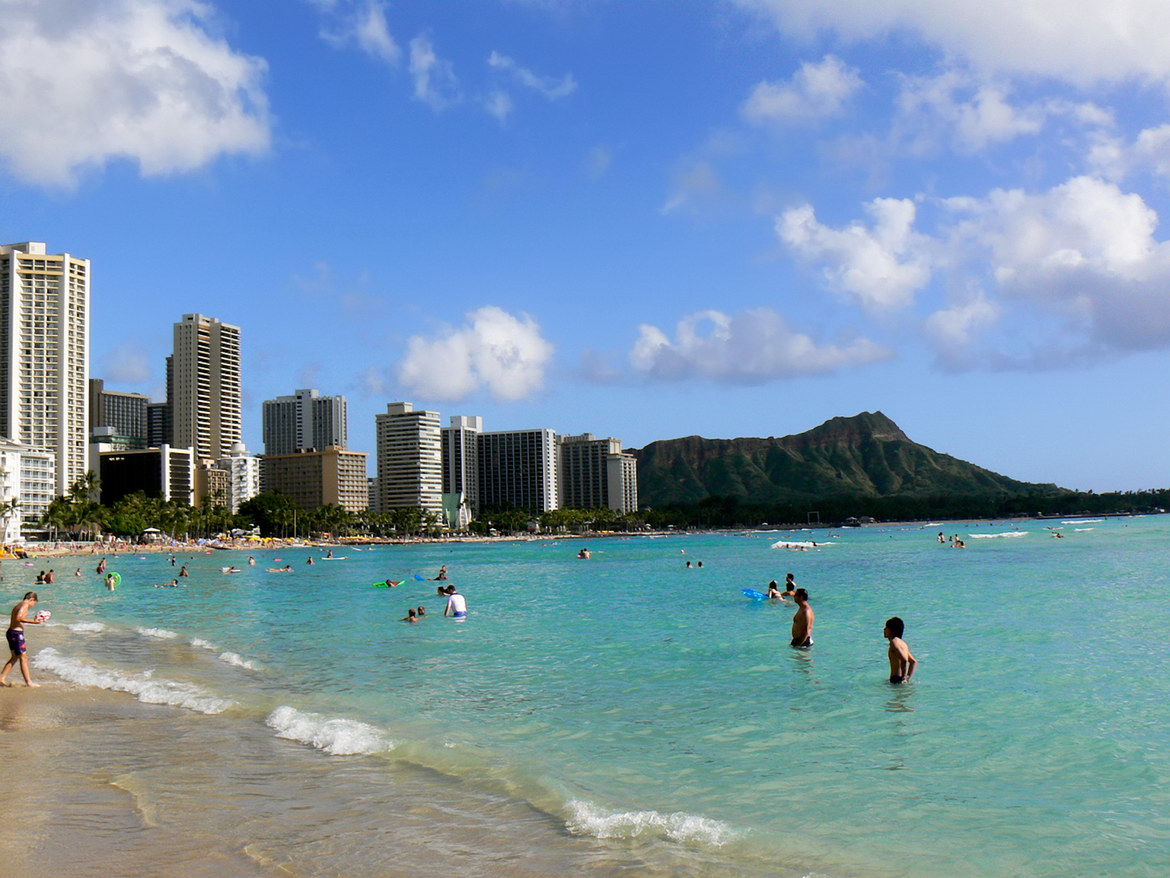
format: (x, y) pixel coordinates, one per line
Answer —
(157, 633)
(337, 736)
(587, 819)
(86, 627)
(1005, 535)
(142, 686)
(234, 658)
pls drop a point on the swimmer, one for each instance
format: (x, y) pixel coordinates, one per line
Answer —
(585, 555)
(101, 568)
(50, 577)
(110, 581)
(456, 604)
(411, 616)
(15, 636)
(442, 577)
(690, 566)
(77, 572)
(902, 661)
(422, 611)
(251, 561)
(287, 568)
(774, 591)
(183, 571)
(310, 561)
(802, 622)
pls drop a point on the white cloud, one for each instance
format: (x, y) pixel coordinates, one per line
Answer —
(968, 115)
(1078, 41)
(505, 354)
(143, 80)
(499, 105)
(551, 87)
(754, 346)
(816, 91)
(1150, 151)
(435, 83)
(882, 265)
(953, 330)
(364, 24)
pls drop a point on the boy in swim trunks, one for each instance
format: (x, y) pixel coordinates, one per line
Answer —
(802, 622)
(902, 661)
(15, 636)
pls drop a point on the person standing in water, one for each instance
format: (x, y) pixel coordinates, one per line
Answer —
(456, 604)
(802, 622)
(902, 661)
(15, 637)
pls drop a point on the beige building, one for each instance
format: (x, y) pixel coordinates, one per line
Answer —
(318, 477)
(204, 387)
(44, 358)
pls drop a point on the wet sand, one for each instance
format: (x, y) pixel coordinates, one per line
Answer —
(98, 784)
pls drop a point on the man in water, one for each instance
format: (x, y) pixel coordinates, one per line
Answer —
(15, 636)
(902, 661)
(802, 622)
(456, 604)
(442, 577)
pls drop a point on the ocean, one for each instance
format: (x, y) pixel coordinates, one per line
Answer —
(618, 715)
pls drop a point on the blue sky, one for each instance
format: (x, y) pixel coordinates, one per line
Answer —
(639, 219)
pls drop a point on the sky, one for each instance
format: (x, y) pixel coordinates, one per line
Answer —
(643, 219)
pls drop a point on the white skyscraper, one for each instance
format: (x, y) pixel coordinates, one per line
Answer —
(205, 387)
(410, 459)
(44, 357)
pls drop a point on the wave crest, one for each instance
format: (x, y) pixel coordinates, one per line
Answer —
(157, 633)
(587, 819)
(142, 686)
(337, 736)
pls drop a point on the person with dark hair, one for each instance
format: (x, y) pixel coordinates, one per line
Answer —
(15, 637)
(802, 622)
(902, 661)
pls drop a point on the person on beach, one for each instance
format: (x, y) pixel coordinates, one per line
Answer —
(902, 661)
(456, 604)
(802, 622)
(411, 616)
(15, 637)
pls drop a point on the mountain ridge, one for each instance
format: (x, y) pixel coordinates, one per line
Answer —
(867, 455)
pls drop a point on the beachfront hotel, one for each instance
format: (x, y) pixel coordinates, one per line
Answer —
(317, 477)
(596, 473)
(518, 468)
(409, 459)
(305, 420)
(203, 387)
(44, 360)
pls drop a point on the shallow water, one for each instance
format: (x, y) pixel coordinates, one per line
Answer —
(634, 715)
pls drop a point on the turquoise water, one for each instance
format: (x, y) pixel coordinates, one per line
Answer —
(633, 699)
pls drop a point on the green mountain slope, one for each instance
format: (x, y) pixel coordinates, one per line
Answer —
(866, 455)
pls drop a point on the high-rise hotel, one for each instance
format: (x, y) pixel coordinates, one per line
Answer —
(410, 459)
(203, 387)
(44, 359)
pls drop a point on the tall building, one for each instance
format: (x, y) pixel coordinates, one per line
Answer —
(44, 356)
(595, 474)
(518, 469)
(461, 459)
(124, 412)
(304, 420)
(243, 471)
(318, 477)
(410, 459)
(158, 423)
(204, 387)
